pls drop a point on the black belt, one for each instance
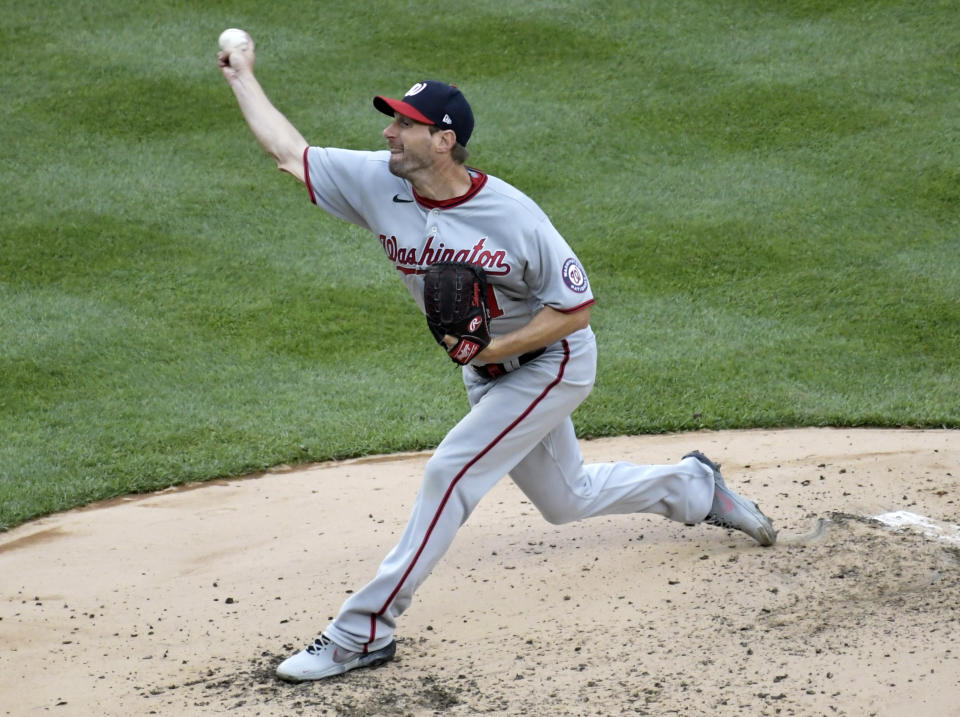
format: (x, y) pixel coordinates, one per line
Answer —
(495, 370)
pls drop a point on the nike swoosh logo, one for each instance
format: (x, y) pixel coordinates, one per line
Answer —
(400, 200)
(344, 656)
(726, 503)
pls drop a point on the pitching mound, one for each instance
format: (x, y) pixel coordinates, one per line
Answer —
(183, 602)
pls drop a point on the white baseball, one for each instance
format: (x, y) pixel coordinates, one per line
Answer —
(233, 39)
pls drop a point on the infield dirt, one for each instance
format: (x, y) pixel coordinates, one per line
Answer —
(183, 602)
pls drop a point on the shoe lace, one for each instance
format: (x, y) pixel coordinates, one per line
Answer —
(318, 644)
(718, 521)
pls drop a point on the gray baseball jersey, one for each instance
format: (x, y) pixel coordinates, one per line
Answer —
(528, 263)
(519, 423)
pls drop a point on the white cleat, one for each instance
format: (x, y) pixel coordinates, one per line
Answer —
(325, 658)
(730, 510)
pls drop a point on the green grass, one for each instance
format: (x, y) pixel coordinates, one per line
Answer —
(765, 195)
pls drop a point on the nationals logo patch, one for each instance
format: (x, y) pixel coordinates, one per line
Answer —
(573, 276)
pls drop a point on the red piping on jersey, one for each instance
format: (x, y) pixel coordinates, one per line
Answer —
(477, 180)
(456, 480)
(575, 309)
(306, 176)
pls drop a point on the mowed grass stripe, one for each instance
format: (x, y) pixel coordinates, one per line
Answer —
(764, 194)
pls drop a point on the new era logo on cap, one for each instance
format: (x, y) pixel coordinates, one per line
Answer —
(435, 103)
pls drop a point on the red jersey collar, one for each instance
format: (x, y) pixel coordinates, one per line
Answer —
(477, 180)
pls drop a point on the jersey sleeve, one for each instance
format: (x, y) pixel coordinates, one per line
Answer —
(335, 179)
(555, 274)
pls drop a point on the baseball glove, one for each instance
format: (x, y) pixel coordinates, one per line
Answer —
(455, 301)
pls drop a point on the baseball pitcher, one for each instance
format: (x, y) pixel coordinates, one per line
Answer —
(507, 298)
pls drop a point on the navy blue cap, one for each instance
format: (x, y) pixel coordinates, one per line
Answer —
(435, 103)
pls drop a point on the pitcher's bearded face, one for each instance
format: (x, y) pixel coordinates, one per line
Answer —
(411, 146)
